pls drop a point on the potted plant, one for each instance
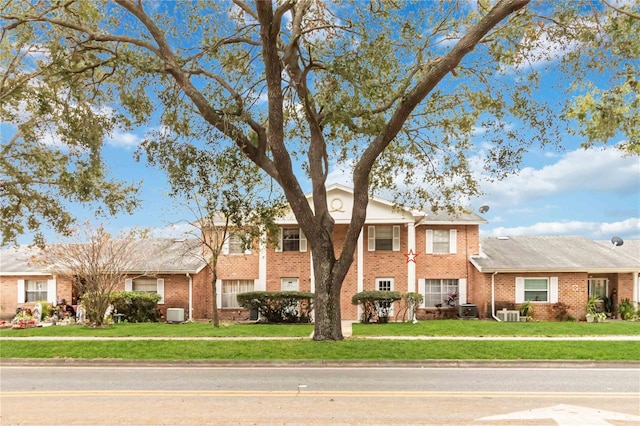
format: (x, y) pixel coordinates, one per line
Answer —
(592, 308)
(526, 311)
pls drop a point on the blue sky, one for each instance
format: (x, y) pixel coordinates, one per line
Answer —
(570, 191)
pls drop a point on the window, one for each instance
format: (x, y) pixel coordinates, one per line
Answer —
(236, 245)
(231, 288)
(536, 289)
(146, 285)
(292, 239)
(385, 284)
(289, 284)
(383, 238)
(440, 292)
(441, 241)
(35, 290)
(598, 287)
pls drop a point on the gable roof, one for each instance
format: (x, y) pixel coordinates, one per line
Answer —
(156, 255)
(550, 254)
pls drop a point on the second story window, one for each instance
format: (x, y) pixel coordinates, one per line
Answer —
(441, 241)
(292, 239)
(236, 245)
(383, 238)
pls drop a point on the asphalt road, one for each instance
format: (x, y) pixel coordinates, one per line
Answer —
(197, 395)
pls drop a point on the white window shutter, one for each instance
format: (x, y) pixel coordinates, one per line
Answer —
(219, 293)
(462, 291)
(429, 249)
(553, 290)
(160, 290)
(21, 293)
(396, 238)
(371, 238)
(51, 291)
(519, 290)
(128, 284)
(225, 245)
(279, 243)
(303, 241)
(421, 290)
(453, 241)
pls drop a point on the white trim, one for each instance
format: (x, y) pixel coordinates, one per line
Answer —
(411, 266)
(219, 293)
(261, 282)
(422, 289)
(21, 291)
(302, 245)
(128, 284)
(553, 290)
(462, 291)
(51, 290)
(396, 238)
(429, 238)
(519, 297)
(371, 238)
(160, 290)
(453, 241)
(278, 247)
(393, 286)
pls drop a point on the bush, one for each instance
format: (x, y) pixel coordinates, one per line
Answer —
(375, 304)
(279, 306)
(411, 303)
(136, 306)
(627, 310)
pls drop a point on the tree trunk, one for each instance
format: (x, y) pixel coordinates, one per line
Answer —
(328, 280)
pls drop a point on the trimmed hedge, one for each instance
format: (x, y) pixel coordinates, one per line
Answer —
(375, 304)
(279, 306)
(136, 306)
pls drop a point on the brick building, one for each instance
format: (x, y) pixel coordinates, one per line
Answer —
(436, 255)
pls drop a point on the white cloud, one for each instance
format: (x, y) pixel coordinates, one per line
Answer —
(598, 170)
(125, 140)
(627, 229)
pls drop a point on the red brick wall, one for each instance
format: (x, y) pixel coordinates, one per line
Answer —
(9, 292)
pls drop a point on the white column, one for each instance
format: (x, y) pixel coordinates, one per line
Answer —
(636, 288)
(360, 268)
(411, 266)
(262, 265)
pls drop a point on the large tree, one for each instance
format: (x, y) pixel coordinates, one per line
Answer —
(395, 90)
(52, 133)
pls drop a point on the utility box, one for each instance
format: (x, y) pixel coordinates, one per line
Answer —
(175, 315)
(468, 311)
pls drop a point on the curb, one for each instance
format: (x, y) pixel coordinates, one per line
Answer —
(479, 364)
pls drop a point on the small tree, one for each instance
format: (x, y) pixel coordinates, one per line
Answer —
(375, 304)
(226, 198)
(96, 267)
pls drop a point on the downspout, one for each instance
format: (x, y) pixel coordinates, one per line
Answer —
(190, 297)
(493, 296)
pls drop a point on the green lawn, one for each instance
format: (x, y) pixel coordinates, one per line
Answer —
(493, 328)
(347, 350)
(194, 329)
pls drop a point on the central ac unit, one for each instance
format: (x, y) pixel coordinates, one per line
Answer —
(508, 316)
(175, 315)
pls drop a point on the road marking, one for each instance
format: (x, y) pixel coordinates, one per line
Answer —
(296, 393)
(568, 415)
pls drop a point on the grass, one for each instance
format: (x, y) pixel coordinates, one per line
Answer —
(493, 328)
(194, 329)
(347, 350)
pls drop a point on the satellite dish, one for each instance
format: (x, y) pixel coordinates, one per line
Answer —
(484, 209)
(617, 241)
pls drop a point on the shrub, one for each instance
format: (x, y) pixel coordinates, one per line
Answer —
(626, 309)
(136, 306)
(279, 306)
(411, 303)
(375, 304)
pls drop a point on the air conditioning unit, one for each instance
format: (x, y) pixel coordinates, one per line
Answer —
(175, 315)
(508, 316)
(467, 311)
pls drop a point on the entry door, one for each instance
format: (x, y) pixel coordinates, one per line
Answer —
(599, 287)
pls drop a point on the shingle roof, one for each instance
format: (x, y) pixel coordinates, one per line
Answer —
(554, 253)
(445, 218)
(157, 255)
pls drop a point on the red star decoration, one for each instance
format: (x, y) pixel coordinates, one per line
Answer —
(411, 256)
